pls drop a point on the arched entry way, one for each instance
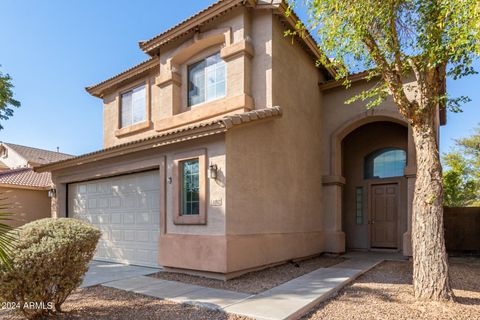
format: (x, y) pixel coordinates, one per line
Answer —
(374, 202)
(335, 184)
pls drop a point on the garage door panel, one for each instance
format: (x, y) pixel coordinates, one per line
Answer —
(127, 211)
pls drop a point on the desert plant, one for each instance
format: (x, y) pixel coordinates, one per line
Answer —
(6, 237)
(50, 258)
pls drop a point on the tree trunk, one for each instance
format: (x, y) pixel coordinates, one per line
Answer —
(430, 265)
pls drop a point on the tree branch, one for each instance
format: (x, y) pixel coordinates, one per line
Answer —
(390, 76)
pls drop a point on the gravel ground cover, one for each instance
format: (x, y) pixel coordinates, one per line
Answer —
(258, 281)
(386, 292)
(102, 303)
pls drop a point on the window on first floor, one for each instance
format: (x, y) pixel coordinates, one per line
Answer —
(190, 190)
(190, 187)
(133, 106)
(206, 80)
(385, 163)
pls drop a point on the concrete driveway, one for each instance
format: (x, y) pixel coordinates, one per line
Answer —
(101, 272)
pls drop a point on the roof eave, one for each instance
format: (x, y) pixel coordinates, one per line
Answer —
(307, 38)
(198, 131)
(133, 147)
(23, 187)
(99, 89)
(151, 46)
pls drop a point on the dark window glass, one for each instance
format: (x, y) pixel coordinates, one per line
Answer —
(190, 187)
(359, 205)
(385, 163)
(206, 80)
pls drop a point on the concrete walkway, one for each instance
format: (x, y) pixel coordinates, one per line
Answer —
(179, 292)
(100, 272)
(289, 300)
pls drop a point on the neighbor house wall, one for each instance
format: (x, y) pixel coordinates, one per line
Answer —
(274, 182)
(462, 229)
(13, 160)
(26, 205)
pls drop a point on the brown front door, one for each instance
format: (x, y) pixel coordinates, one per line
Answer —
(383, 216)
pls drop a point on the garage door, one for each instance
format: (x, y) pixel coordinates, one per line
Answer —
(127, 211)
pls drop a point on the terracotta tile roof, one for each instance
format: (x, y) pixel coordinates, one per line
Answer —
(137, 69)
(186, 26)
(174, 136)
(153, 43)
(37, 156)
(26, 177)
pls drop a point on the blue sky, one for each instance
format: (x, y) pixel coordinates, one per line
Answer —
(54, 49)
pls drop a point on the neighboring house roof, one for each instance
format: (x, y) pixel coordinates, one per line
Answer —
(3, 166)
(37, 156)
(217, 9)
(25, 178)
(195, 131)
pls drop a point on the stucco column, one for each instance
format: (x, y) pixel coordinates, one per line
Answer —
(332, 207)
(170, 82)
(58, 203)
(410, 174)
(238, 57)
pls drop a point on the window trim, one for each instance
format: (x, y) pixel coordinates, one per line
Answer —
(201, 218)
(196, 61)
(138, 126)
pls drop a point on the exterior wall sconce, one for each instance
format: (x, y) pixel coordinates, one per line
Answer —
(52, 193)
(212, 171)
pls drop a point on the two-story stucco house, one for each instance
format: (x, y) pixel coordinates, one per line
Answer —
(228, 150)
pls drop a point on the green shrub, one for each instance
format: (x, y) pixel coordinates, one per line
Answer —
(49, 261)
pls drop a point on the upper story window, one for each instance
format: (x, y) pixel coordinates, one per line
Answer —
(385, 163)
(133, 106)
(206, 80)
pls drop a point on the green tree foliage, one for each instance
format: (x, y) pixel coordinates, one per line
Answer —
(7, 102)
(408, 48)
(461, 179)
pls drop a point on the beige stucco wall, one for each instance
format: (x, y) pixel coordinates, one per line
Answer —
(338, 120)
(274, 181)
(13, 160)
(275, 207)
(167, 83)
(27, 205)
(200, 245)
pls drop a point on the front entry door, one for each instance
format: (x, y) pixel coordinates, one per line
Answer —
(383, 216)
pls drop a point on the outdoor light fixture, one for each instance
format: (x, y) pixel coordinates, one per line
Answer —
(52, 193)
(212, 171)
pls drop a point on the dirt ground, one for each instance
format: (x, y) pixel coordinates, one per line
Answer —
(386, 292)
(258, 281)
(102, 303)
(383, 293)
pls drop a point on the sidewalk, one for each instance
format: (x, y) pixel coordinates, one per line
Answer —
(286, 301)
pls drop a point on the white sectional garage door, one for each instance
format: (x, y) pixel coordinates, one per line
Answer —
(127, 211)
